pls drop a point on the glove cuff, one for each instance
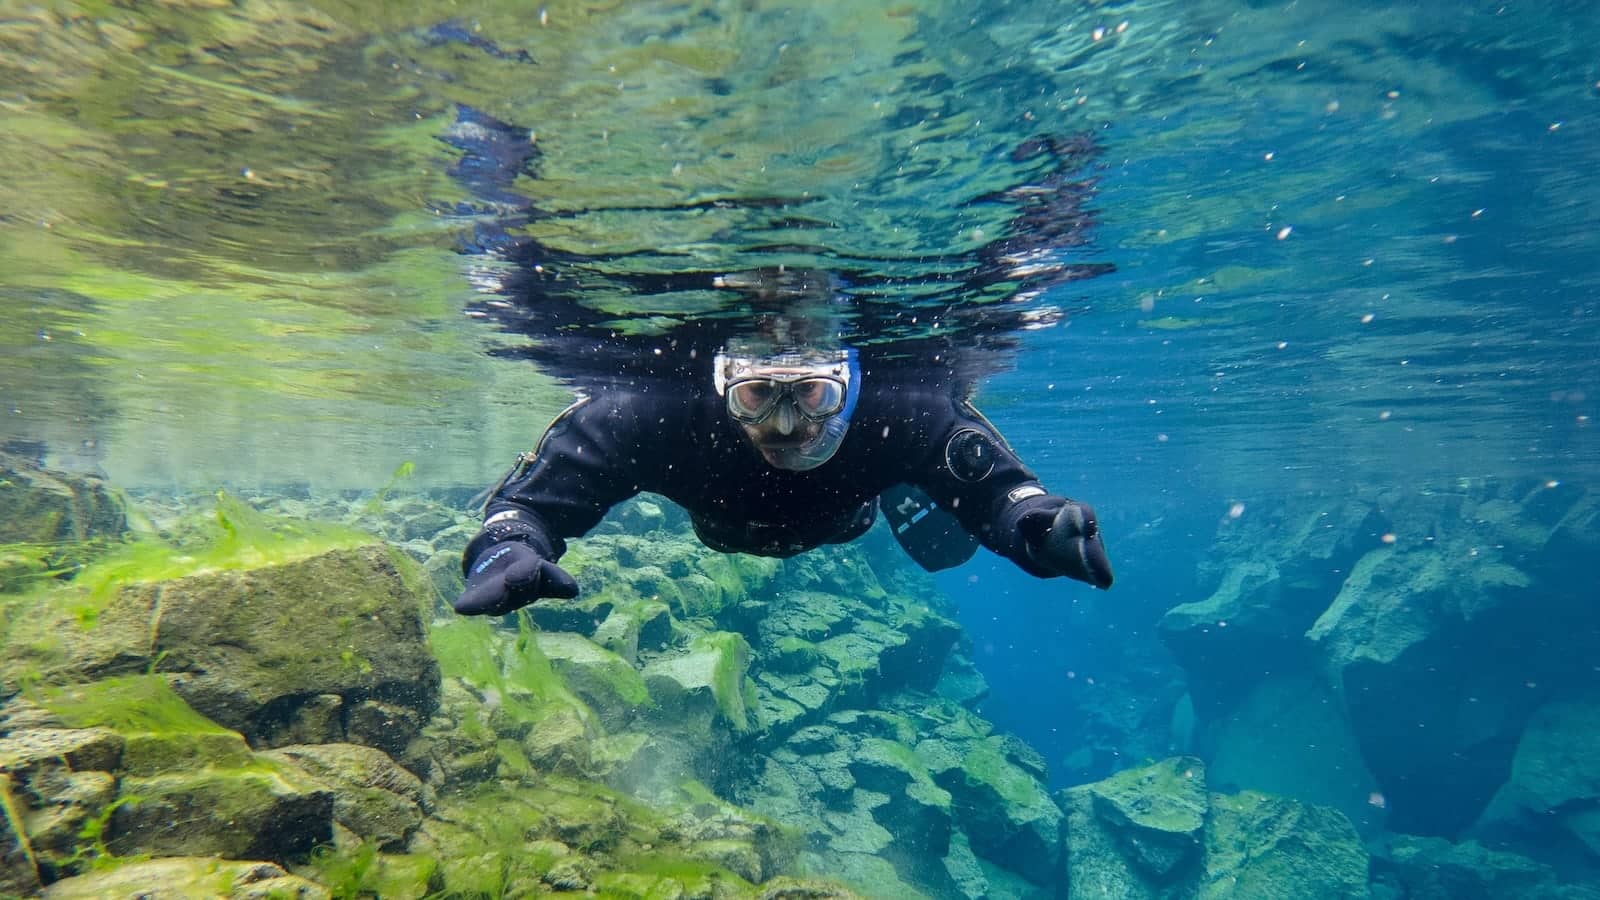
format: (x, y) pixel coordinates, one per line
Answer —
(507, 525)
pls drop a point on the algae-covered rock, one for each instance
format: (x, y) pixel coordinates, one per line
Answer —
(1137, 833)
(249, 648)
(1006, 811)
(1424, 868)
(19, 868)
(26, 751)
(183, 878)
(1555, 780)
(374, 797)
(601, 678)
(703, 685)
(259, 811)
(40, 506)
(1261, 846)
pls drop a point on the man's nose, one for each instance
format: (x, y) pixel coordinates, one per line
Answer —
(785, 418)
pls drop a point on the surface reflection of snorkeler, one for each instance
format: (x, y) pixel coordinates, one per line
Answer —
(778, 452)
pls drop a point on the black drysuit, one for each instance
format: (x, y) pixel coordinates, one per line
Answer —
(616, 443)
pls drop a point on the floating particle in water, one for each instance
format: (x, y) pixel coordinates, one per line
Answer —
(1388, 538)
(1285, 231)
(1376, 799)
(1367, 319)
(1236, 510)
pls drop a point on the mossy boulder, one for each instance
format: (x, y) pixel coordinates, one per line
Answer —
(250, 648)
(374, 797)
(184, 877)
(41, 506)
(1554, 787)
(1006, 811)
(602, 679)
(1138, 833)
(705, 684)
(1428, 868)
(260, 811)
(55, 781)
(1262, 846)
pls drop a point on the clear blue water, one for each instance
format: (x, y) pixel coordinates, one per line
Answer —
(1355, 250)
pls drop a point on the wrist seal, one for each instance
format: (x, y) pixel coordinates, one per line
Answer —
(503, 526)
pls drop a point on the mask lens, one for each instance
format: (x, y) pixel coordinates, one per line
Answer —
(818, 397)
(752, 400)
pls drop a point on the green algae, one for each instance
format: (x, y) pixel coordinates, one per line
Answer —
(986, 765)
(734, 692)
(517, 674)
(654, 876)
(234, 537)
(363, 871)
(131, 704)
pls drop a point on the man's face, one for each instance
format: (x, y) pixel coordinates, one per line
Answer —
(785, 429)
(791, 413)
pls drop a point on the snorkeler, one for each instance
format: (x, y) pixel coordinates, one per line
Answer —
(772, 454)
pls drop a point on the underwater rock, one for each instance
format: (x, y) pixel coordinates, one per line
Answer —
(642, 516)
(1274, 578)
(1006, 812)
(180, 878)
(1137, 833)
(1554, 787)
(19, 868)
(250, 648)
(1404, 646)
(706, 684)
(1424, 868)
(1415, 643)
(24, 753)
(374, 797)
(600, 678)
(960, 680)
(41, 506)
(318, 720)
(1261, 846)
(918, 811)
(1289, 737)
(261, 811)
(561, 742)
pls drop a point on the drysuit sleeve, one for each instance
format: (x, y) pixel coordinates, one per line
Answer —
(971, 471)
(588, 460)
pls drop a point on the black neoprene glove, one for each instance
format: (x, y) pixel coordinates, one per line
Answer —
(508, 572)
(1071, 546)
